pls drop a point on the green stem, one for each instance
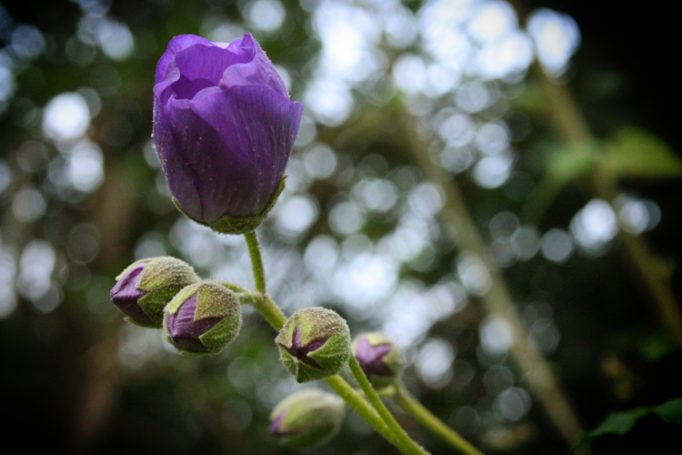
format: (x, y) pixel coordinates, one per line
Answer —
(276, 318)
(270, 312)
(358, 403)
(406, 442)
(417, 410)
(256, 261)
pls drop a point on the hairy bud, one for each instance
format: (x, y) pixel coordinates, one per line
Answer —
(379, 357)
(307, 419)
(314, 343)
(144, 288)
(202, 318)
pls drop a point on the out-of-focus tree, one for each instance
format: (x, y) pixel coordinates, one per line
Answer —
(418, 115)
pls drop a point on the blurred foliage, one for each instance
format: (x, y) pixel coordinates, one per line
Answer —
(357, 228)
(620, 423)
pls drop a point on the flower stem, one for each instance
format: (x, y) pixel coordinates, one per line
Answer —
(405, 441)
(358, 403)
(270, 312)
(256, 261)
(417, 410)
(276, 318)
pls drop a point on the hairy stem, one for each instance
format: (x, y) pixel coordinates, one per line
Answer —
(373, 397)
(417, 410)
(256, 261)
(276, 318)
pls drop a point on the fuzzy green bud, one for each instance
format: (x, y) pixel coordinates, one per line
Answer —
(380, 358)
(144, 288)
(202, 318)
(307, 419)
(314, 343)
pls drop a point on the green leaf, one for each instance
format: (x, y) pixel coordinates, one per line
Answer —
(620, 423)
(637, 154)
(670, 411)
(568, 164)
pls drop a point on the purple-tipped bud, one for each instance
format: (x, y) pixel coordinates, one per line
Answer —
(307, 419)
(224, 127)
(314, 343)
(379, 357)
(202, 318)
(144, 288)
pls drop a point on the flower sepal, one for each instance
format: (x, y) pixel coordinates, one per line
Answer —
(202, 318)
(145, 287)
(314, 343)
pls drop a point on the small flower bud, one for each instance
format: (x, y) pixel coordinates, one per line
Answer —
(202, 318)
(146, 286)
(379, 357)
(314, 343)
(307, 419)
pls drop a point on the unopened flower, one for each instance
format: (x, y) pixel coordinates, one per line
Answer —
(202, 318)
(379, 357)
(224, 127)
(307, 419)
(314, 343)
(144, 288)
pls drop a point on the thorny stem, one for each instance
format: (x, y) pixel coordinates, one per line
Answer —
(276, 318)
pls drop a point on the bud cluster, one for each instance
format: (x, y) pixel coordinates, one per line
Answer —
(197, 316)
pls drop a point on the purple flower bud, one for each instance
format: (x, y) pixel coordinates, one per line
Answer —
(224, 127)
(314, 343)
(144, 288)
(379, 357)
(202, 318)
(307, 419)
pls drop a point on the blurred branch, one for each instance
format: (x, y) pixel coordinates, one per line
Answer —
(99, 390)
(113, 214)
(572, 126)
(524, 351)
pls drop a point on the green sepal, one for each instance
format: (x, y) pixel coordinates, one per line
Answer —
(213, 300)
(239, 224)
(221, 334)
(161, 278)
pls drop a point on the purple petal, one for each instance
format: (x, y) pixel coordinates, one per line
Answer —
(301, 351)
(180, 175)
(207, 61)
(184, 330)
(258, 70)
(275, 428)
(166, 68)
(125, 295)
(371, 357)
(257, 127)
